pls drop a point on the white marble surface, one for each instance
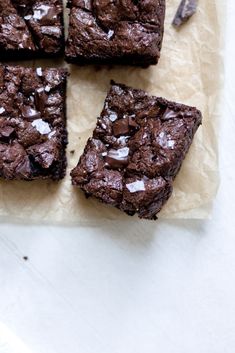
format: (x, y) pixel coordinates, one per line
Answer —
(168, 287)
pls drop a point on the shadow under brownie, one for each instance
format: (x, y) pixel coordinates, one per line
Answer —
(33, 135)
(136, 151)
(120, 32)
(31, 28)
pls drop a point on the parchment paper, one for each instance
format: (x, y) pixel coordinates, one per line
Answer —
(189, 71)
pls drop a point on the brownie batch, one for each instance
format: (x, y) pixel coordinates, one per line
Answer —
(139, 141)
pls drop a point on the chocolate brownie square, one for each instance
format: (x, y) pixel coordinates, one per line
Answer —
(136, 151)
(115, 32)
(33, 134)
(31, 28)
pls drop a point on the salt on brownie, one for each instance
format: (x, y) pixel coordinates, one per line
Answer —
(31, 28)
(115, 32)
(33, 135)
(136, 151)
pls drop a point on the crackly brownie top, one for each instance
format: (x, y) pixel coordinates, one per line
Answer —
(32, 122)
(31, 25)
(136, 150)
(108, 29)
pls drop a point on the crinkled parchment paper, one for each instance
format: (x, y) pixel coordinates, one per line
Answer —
(189, 71)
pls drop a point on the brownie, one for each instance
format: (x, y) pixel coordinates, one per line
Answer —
(136, 151)
(33, 134)
(115, 32)
(31, 28)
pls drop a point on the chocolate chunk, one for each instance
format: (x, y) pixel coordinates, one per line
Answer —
(124, 126)
(6, 131)
(31, 146)
(121, 127)
(133, 164)
(186, 9)
(115, 32)
(44, 154)
(132, 123)
(47, 14)
(29, 112)
(40, 99)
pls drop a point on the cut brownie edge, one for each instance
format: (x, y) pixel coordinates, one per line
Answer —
(136, 151)
(17, 55)
(131, 60)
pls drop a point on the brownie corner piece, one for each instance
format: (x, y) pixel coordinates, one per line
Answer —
(136, 150)
(121, 32)
(33, 135)
(31, 28)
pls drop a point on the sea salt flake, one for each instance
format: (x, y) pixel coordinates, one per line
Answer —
(113, 117)
(136, 186)
(110, 33)
(39, 71)
(2, 110)
(51, 134)
(47, 88)
(42, 126)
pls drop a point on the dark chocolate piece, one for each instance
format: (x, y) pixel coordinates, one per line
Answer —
(136, 151)
(33, 134)
(186, 9)
(115, 32)
(31, 28)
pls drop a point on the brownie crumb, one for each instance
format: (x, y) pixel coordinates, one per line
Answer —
(186, 9)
